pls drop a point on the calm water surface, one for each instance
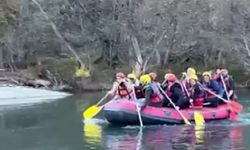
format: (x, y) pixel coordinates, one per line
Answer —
(58, 125)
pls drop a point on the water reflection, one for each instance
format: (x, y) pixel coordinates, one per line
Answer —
(199, 134)
(92, 134)
(163, 137)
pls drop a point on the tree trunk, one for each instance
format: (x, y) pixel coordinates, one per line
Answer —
(137, 68)
(58, 34)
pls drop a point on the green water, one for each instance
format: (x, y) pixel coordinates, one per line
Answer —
(58, 125)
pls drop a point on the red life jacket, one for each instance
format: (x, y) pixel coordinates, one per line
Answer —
(123, 91)
(156, 96)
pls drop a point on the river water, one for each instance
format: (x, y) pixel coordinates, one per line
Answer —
(58, 125)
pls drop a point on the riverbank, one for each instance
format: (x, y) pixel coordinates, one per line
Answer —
(60, 75)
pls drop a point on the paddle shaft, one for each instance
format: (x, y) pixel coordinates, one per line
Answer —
(139, 115)
(225, 87)
(137, 109)
(184, 118)
(209, 91)
(101, 100)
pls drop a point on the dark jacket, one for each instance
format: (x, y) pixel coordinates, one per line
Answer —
(215, 87)
(195, 92)
(177, 95)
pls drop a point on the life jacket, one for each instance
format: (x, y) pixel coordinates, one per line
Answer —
(168, 89)
(156, 96)
(123, 91)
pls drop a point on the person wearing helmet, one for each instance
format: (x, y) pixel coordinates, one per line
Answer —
(185, 79)
(133, 79)
(191, 71)
(152, 96)
(194, 92)
(213, 86)
(175, 92)
(153, 76)
(121, 88)
(155, 85)
(228, 81)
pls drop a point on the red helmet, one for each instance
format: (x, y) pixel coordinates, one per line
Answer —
(170, 77)
(120, 74)
(153, 75)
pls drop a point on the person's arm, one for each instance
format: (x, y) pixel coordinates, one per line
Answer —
(112, 92)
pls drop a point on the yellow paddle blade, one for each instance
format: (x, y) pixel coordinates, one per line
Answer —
(198, 118)
(91, 111)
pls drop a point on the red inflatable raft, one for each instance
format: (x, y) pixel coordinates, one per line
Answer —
(124, 112)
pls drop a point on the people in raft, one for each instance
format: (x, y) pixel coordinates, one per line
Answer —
(122, 88)
(193, 93)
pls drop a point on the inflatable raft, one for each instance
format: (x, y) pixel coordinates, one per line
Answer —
(124, 113)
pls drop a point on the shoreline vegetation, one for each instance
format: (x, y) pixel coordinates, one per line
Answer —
(60, 75)
(79, 46)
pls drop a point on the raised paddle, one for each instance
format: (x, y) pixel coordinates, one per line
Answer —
(94, 109)
(183, 117)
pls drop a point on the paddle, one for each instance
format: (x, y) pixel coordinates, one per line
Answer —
(138, 109)
(139, 114)
(94, 109)
(233, 106)
(198, 117)
(183, 117)
(233, 114)
(225, 87)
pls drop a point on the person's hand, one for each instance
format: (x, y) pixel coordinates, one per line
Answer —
(184, 74)
(177, 107)
(218, 71)
(191, 100)
(110, 92)
(230, 93)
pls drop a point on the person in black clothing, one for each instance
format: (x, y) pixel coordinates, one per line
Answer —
(174, 91)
